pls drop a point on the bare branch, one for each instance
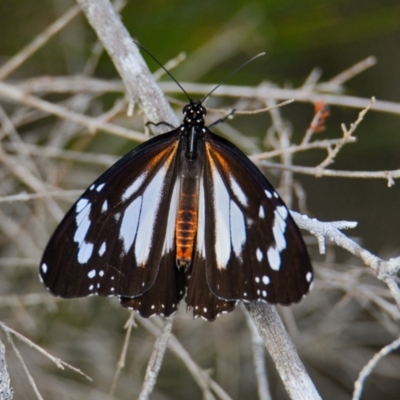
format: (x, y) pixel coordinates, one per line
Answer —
(268, 92)
(346, 137)
(389, 176)
(259, 360)
(125, 55)
(6, 390)
(385, 270)
(204, 381)
(282, 350)
(153, 368)
(91, 123)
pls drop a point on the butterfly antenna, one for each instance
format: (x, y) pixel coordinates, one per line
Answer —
(231, 74)
(165, 69)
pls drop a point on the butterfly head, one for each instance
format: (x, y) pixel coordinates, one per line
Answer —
(194, 114)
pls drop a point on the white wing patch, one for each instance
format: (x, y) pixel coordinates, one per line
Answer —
(201, 228)
(222, 220)
(237, 190)
(150, 206)
(278, 230)
(172, 212)
(133, 188)
(237, 228)
(129, 224)
(82, 208)
(230, 223)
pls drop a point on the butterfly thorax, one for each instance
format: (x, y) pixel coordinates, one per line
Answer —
(192, 128)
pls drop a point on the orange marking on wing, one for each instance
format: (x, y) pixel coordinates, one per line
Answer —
(162, 154)
(211, 155)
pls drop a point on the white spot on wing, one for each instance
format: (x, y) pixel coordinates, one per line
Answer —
(129, 225)
(82, 220)
(104, 207)
(132, 189)
(279, 227)
(269, 194)
(44, 268)
(309, 276)
(91, 274)
(81, 204)
(266, 280)
(102, 249)
(276, 195)
(101, 273)
(259, 255)
(237, 190)
(98, 189)
(150, 206)
(274, 258)
(238, 228)
(261, 212)
(257, 279)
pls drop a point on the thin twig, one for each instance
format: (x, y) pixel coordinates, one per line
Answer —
(204, 381)
(91, 123)
(153, 368)
(389, 176)
(332, 153)
(367, 370)
(266, 92)
(121, 362)
(30, 196)
(12, 64)
(28, 374)
(60, 363)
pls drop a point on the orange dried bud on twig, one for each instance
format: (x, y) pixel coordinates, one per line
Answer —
(321, 114)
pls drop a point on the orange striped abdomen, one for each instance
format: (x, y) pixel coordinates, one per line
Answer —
(186, 224)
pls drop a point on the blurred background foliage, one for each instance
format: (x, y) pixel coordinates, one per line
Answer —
(217, 37)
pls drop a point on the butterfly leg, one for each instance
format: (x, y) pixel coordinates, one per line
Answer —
(221, 120)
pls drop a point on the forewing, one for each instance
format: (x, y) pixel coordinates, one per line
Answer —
(253, 248)
(116, 236)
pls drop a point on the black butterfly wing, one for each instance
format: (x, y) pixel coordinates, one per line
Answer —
(165, 294)
(199, 296)
(121, 231)
(252, 249)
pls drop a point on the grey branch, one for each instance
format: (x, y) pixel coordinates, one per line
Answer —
(283, 352)
(386, 270)
(153, 368)
(6, 390)
(139, 82)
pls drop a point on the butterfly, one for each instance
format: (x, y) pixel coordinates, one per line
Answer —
(185, 214)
